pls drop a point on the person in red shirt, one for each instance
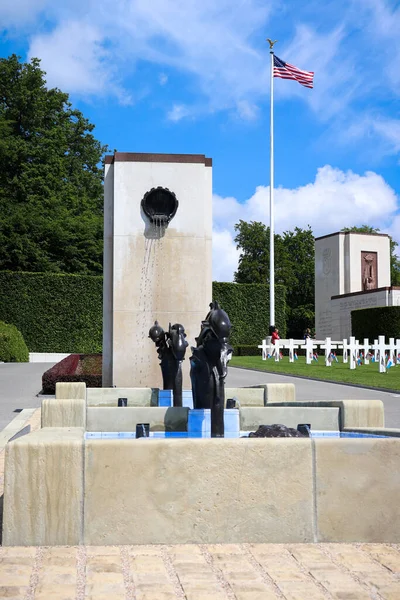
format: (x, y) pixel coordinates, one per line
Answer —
(275, 335)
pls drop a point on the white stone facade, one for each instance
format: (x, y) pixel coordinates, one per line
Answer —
(338, 272)
(148, 277)
(342, 306)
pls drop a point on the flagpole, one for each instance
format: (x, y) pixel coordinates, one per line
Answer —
(271, 200)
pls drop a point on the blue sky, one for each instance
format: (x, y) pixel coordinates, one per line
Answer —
(189, 76)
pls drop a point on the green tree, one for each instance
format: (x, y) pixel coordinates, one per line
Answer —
(51, 193)
(294, 268)
(394, 259)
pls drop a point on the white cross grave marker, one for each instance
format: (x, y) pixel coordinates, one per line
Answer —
(353, 351)
(292, 347)
(328, 347)
(365, 347)
(392, 350)
(397, 352)
(379, 349)
(375, 346)
(276, 350)
(345, 351)
(309, 346)
(264, 347)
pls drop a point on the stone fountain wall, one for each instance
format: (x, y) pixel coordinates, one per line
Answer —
(150, 271)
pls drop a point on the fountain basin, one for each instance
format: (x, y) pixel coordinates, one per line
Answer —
(63, 488)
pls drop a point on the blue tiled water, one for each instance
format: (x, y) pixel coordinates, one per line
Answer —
(165, 398)
(129, 435)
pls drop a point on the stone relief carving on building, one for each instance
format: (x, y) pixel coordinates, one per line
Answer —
(327, 261)
(369, 270)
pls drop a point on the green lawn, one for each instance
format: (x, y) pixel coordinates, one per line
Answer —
(363, 375)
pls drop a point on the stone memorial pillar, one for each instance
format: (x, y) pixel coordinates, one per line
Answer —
(157, 258)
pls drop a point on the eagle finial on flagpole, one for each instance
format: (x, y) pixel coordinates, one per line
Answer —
(271, 43)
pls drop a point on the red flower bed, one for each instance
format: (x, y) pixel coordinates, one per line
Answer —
(76, 367)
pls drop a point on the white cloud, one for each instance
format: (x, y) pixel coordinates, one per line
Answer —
(334, 200)
(76, 57)
(91, 47)
(247, 111)
(225, 255)
(19, 13)
(382, 133)
(162, 78)
(178, 112)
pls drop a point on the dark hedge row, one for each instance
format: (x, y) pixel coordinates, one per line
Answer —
(12, 344)
(68, 370)
(55, 313)
(248, 308)
(63, 313)
(373, 322)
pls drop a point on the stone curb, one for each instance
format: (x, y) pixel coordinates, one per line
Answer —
(15, 426)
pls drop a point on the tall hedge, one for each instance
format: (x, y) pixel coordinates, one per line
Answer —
(373, 322)
(247, 305)
(63, 313)
(55, 313)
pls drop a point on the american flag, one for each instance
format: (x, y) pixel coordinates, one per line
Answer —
(286, 71)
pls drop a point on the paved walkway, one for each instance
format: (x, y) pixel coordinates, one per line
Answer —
(206, 572)
(19, 384)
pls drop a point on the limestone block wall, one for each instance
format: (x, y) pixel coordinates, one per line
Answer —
(57, 490)
(152, 273)
(342, 306)
(43, 488)
(69, 412)
(198, 492)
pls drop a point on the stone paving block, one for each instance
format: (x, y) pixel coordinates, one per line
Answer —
(147, 564)
(154, 579)
(154, 595)
(311, 557)
(354, 559)
(16, 561)
(270, 549)
(54, 561)
(307, 591)
(255, 594)
(145, 550)
(62, 551)
(106, 596)
(13, 592)
(93, 578)
(56, 575)
(282, 575)
(14, 575)
(17, 551)
(379, 580)
(205, 593)
(224, 549)
(240, 573)
(392, 592)
(93, 589)
(102, 550)
(55, 592)
(111, 568)
(387, 556)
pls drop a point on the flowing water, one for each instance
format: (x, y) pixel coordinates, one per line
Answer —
(149, 296)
